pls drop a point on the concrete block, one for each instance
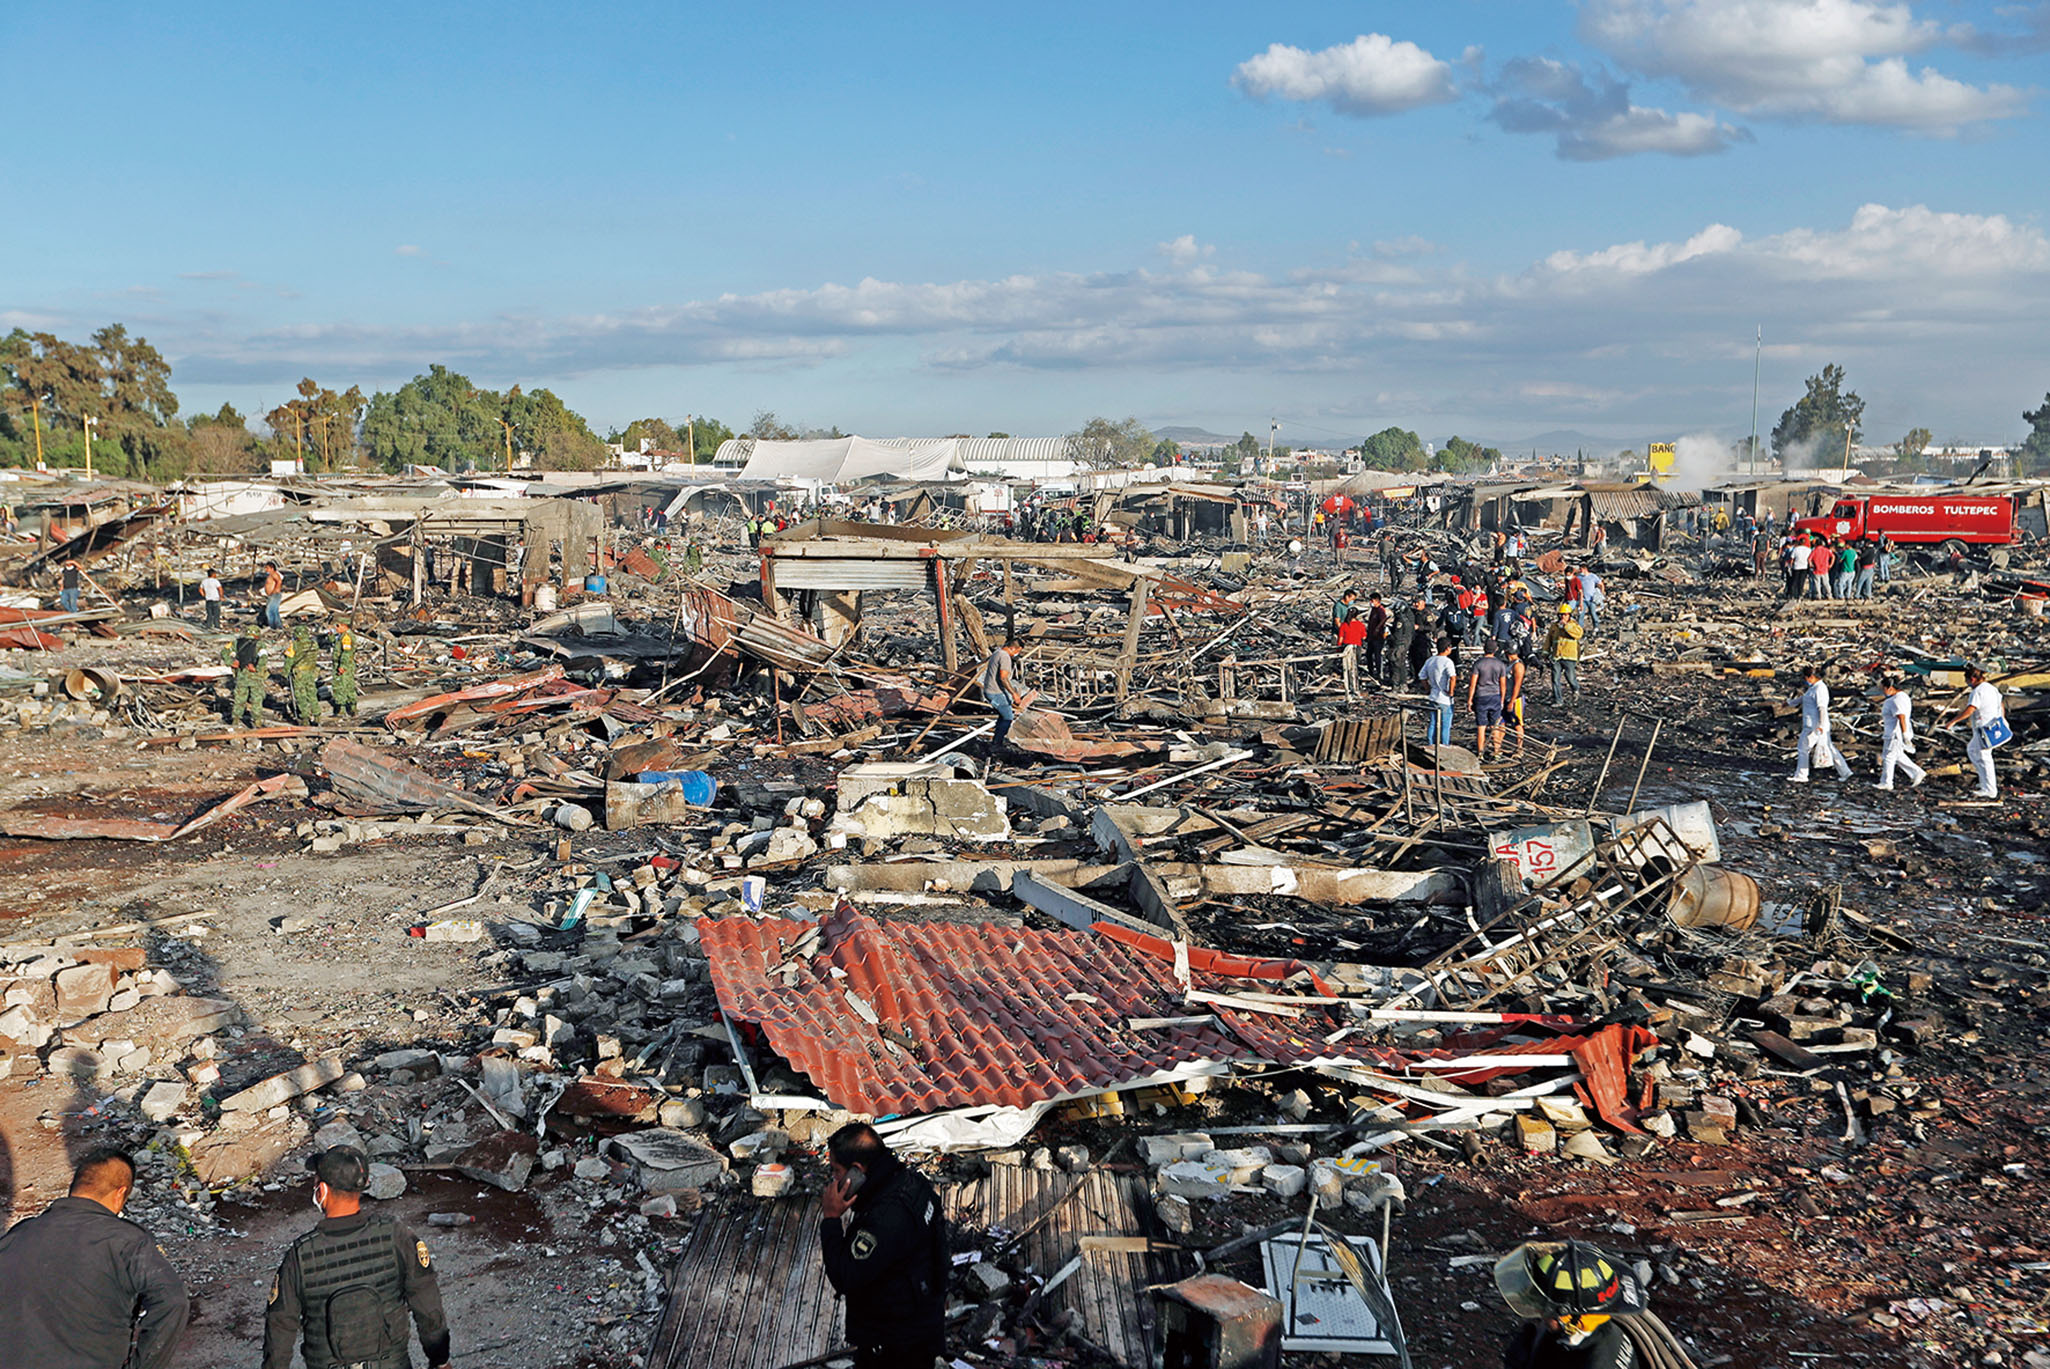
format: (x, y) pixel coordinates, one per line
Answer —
(987, 1281)
(162, 1101)
(1194, 1179)
(283, 1088)
(772, 1180)
(1180, 1145)
(1284, 1181)
(83, 991)
(386, 1182)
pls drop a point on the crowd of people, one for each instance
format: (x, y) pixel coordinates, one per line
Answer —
(1412, 645)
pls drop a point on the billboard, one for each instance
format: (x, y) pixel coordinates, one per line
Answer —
(1658, 459)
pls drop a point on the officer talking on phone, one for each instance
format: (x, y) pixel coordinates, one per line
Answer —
(885, 1247)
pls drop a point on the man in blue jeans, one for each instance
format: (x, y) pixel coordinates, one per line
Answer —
(1440, 676)
(67, 595)
(1000, 690)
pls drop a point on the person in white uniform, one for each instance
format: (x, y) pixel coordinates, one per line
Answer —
(1815, 742)
(1897, 736)
(1984, 708)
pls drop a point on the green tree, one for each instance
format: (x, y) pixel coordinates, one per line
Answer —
(769, 428)
(1913, 445)
(1815, 429)
(122, 383)
(1461, 457)
(559, 438)
(220, 443)
(2036, 449)
(998, 436)
(1393, 449)
(318, 425)
(707, 436)
(1108, 444)
(658, 431)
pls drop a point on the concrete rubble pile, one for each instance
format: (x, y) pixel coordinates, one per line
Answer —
(1242, 950)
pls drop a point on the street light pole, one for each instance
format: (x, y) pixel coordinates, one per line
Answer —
(1757, 349)
(89, 423)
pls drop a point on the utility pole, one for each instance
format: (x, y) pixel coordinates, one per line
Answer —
(299, 437)
(1273, 426)
(1757, 350)
(690, 442)
(508, 444)
(89, 423)
(35, 406)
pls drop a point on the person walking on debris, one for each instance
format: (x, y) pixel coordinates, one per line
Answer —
(883, 1241)
(1351, 633)
(344, 1287)
(344, 691)
(1594, 593)
(1562, 641)
(1868, 568)
(1989, 728)
(1582, 1309)
(1512, 700)
(1377, 635)
(81, 1287)
(273, 595)
(1000, 690)
(1440, 677)
(302, 669)
(67, 593)
(1402, 630)
(1486, 696)
(1420, 644)
(1897, 734)
(1815, 741)
(245, 655)
(210, 596)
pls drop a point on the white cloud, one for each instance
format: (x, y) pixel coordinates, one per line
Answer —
(1832, 61)
(1629, 333)
(407, 249)
(1185, 250)
(1591, 118)
(1637, 259)
(1372, 75)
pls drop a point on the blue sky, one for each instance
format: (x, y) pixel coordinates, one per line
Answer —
(1488, 216)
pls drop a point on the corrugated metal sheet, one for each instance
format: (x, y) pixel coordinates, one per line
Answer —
(747, 1290)
(1615, 506)
(849, 573)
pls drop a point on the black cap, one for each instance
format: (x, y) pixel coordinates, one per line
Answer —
(344, 1169)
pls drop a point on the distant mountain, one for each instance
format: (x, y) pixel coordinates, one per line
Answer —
(1560, 442)
(1194, 437)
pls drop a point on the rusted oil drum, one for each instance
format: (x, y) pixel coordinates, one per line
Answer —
(1710, 896)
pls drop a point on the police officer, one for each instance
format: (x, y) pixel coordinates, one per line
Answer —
(345, 1285)
(885, 1248)
(302, 667)
(246, 656)
(344, 690)
(79, 1284)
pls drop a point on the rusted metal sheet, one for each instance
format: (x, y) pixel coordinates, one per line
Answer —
(387, 784)
(496, 689)
(721, 624)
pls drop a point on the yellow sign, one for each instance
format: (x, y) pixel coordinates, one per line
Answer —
(1658, 458)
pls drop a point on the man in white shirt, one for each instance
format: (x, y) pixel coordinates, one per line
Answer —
(1440, 675)
(210, 595)
(1984, 708)
(1799, 558)
(1815, 742)
(1593, 594)
(1897, 736)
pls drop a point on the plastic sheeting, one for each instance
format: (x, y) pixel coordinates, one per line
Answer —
(842, 460)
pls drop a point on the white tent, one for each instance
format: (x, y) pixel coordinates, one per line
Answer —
(842, 460)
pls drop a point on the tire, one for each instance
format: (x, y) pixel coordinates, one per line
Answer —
(1951, 547)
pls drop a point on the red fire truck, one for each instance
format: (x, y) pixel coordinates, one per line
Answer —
(1946, 520)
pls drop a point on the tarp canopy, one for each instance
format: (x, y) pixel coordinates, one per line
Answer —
(842, 460)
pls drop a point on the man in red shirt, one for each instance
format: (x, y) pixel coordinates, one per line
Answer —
(1818, 571)
(1351, 634)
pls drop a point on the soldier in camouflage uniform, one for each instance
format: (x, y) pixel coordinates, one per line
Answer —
(302, 666)
(344, 689)
(245, 654)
